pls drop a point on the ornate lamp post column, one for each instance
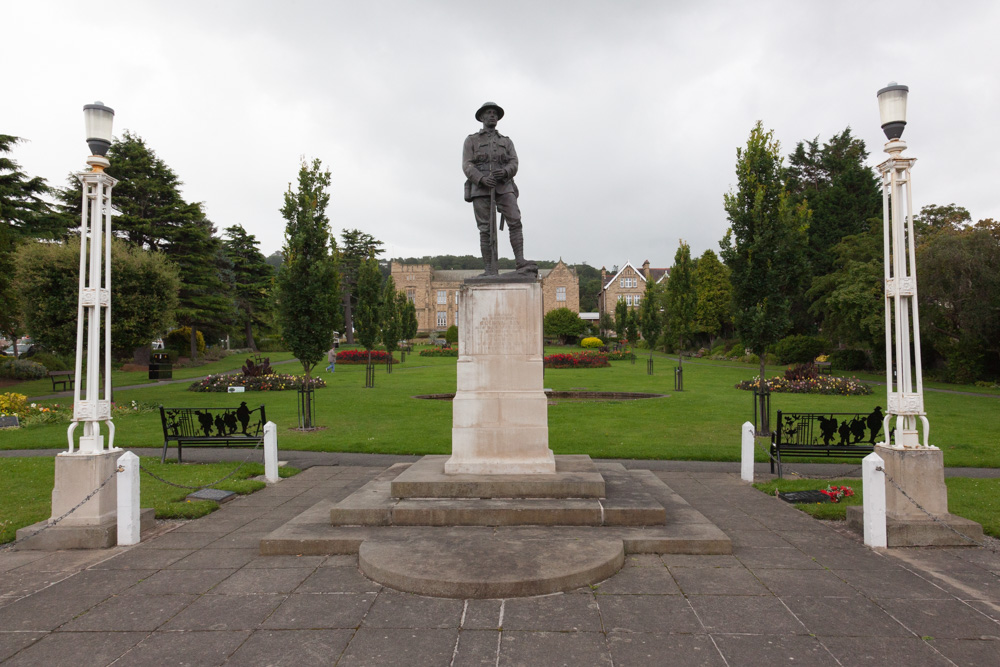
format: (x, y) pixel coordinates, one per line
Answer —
(905, 388)
(916, 499)
(92, 406)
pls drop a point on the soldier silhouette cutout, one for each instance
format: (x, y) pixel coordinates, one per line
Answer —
(875, 423)
(845, 433)
(243, 414)
(205, 419)
(828, 427)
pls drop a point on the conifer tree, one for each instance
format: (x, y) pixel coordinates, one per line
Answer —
(308, 285)
(250, 280)
(367, 316)
(682, 300)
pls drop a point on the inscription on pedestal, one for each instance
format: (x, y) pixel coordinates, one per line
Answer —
(497, 334)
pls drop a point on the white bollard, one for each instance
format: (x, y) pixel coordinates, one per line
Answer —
(746, 467)
(271, 453)
(128, 500)
(874, 500)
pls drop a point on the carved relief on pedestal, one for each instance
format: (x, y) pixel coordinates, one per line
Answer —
(906, 404)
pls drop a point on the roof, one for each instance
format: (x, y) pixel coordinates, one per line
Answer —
(615, 277)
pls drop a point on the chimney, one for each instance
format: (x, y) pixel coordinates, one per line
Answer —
(645, 269)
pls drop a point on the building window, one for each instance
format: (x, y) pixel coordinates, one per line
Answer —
(411, 294)
(456, 297)
(442, 296)
(628, 299)
(442, 319)
(635, 300)
(560, 294)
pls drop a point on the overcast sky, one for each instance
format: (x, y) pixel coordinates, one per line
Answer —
(626, 115)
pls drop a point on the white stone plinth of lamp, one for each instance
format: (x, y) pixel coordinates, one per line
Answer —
(500, 412)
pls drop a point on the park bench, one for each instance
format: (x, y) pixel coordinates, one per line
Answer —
(232, 427)
(829, 434)
(62, 378)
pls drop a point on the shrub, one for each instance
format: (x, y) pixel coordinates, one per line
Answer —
(591, 342)
(577, 360)
(737, 350)
(752, 359)
(12, 404)
(823, 384)
(439, 352)
(620, 355)
(21, 369)
(51, 361)
(451, 335)
(215, 353)
(848, 360)
(799, 349)
(273, 382)
(252, 370)
(361, 357)
(180, 340)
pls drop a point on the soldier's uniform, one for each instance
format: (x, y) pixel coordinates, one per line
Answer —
(485, 152)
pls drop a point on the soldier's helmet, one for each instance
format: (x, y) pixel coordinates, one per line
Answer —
(489, 105)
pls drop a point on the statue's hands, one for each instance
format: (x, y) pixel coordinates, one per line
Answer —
(499, 174)
(489, 181)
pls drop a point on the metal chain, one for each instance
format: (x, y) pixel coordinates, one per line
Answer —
(205, 486)
(78, 506)
(932, 517)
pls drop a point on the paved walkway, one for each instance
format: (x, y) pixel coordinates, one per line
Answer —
(794, 589)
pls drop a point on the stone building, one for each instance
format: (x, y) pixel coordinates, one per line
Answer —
(628, 284)
(435, 292)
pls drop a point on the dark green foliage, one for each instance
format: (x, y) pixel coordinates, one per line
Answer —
(959, 290)
(369, 291)
(179, 340)
(849, 360)
(143, 295)
(23, 209)
(308, 286)
(934, 219)
(621, 317)
(248, 279)
(10, 314)
(851, 299)
(358, 247)
(564, 324)
(196, 251)
(451, 335)
(390, 319)
(410, 323)
(799, 349)
(681, 299)
(841, 190)
(52, 362)
(632, 327)
(714, 295)
(650, 321)
(763, 247)
(439, 352)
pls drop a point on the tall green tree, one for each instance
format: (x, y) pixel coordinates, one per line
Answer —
(358, 247)
(682, 300)
(621, 318)
(24, 211)
(197, 252)
(10, 313)
(144, 289)
(650, 320)
(390, 318)
(308, 286)
(250, 279)
(632, 326)
(366, 317)
(410, 323)
(714, 296)
(763, 246)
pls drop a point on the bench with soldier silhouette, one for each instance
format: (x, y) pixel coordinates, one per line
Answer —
(232, 427)
(829, 434)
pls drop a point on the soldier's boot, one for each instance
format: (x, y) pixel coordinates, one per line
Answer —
(517, 242)
(487, 251)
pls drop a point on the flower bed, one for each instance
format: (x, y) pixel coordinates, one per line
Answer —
(823, 384)
(273, 382)
(30, 414)
(577, 360)
(620, 355)
(361, 357)
(439, 352)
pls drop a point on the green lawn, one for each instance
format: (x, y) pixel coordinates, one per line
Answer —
(26, 489)
(700, 423)
(972, 498)
(43, 387)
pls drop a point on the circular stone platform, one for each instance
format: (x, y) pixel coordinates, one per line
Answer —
(486, 566)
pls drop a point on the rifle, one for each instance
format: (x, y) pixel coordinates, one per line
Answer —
(493, 230)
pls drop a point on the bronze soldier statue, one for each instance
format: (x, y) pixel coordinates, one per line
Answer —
(490, 163)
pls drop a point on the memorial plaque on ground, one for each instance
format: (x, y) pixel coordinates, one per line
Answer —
(218, 495)
(812, 496)
(9, 421)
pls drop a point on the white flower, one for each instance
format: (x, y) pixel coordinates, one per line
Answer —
(32, 405)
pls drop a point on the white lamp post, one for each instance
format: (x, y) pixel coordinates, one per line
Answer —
(90, 405)
(905, 391)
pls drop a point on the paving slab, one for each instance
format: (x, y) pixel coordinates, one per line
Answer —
(372, 647)
(629, 649)
(189, 648)
(291, 648)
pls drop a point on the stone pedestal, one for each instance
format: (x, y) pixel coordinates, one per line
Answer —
(94, 524)
(500, 413)
(920, 471)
